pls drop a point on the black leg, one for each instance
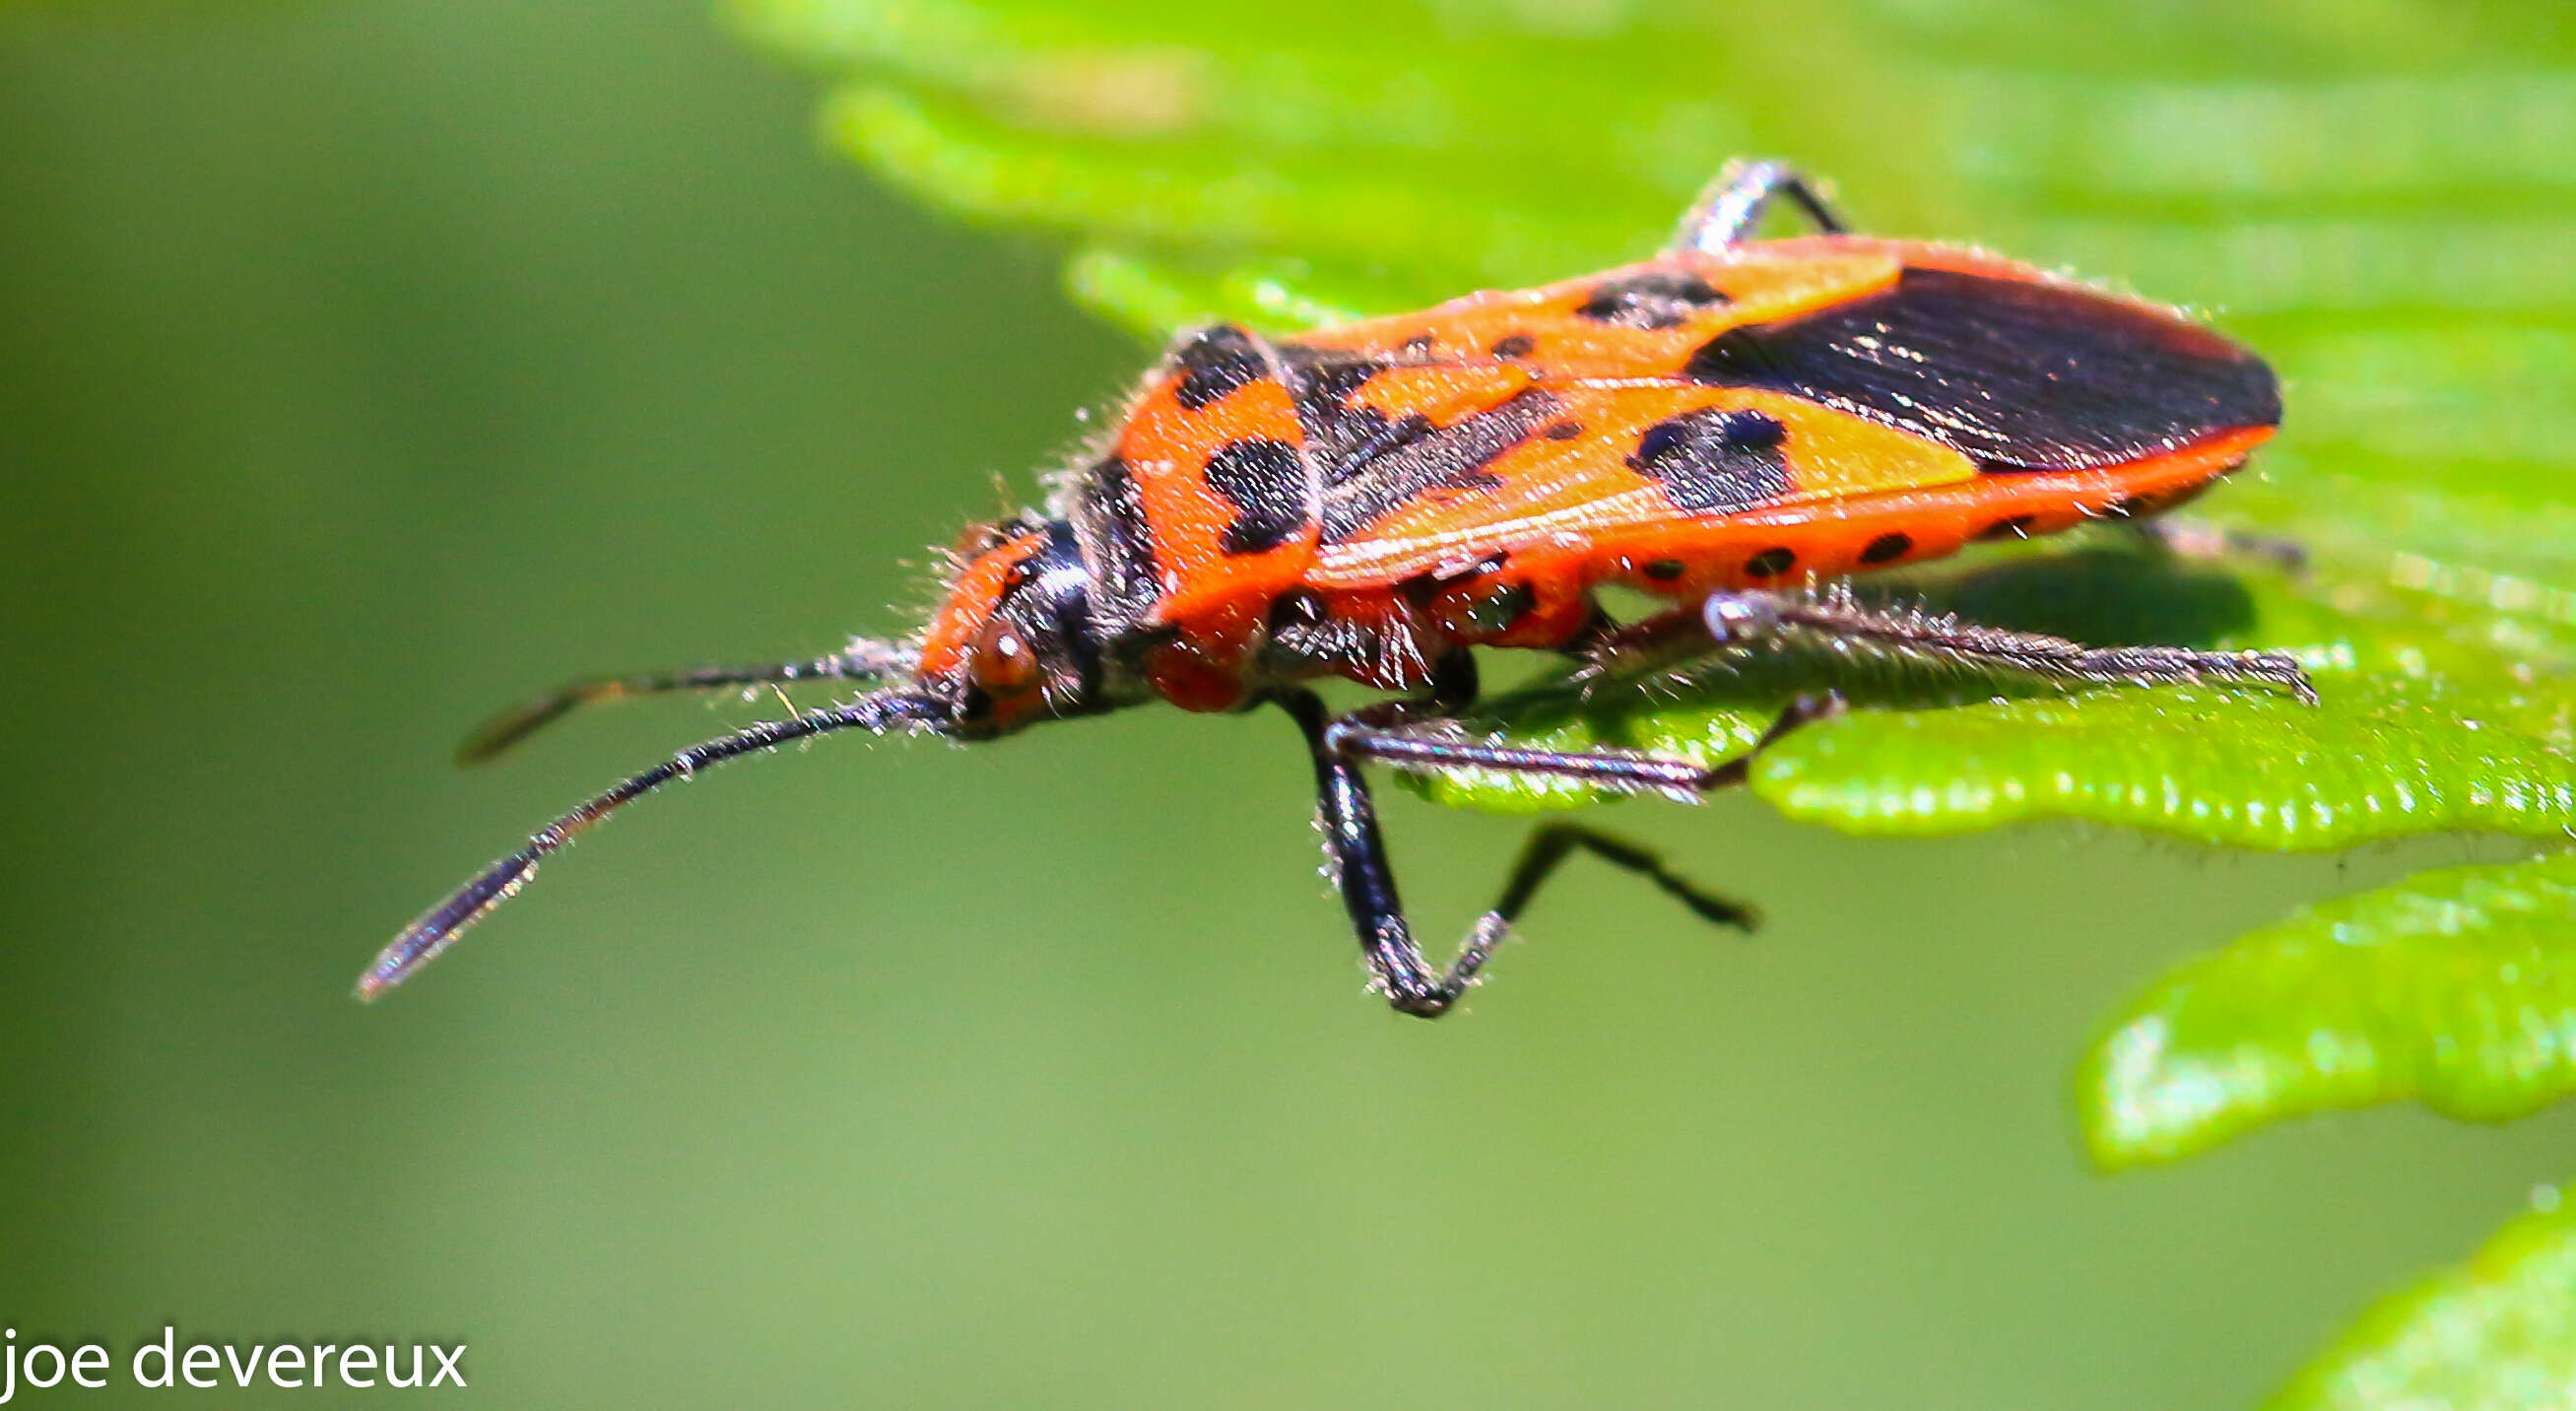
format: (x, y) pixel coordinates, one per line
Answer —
(1549, 845)
(1422, 735)
(1356, 851)
(1731, 210)
(2200, 539)
(1598, 629)
(862, 660)
(1742, 618)
(1419, 749)
(1751, 616)
(1364, 735)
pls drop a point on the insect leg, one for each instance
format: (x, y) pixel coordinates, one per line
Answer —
(1738, 617)
(1355, 849)
(2200, 539)
(1421, 734)
(1659, 640)
(1598, 630)
(1355, 854)
(1549, 845)
(1731, 209)
(1360, 736)
(861, 660)
(1620, 771)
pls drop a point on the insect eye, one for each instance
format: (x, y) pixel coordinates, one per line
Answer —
(1005, 663)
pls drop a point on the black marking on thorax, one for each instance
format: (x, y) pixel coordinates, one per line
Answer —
(1711, 461)
(2020, 376)
(1266, 482)
(1214, 363)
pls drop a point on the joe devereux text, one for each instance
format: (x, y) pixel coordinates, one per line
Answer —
(163, 1362)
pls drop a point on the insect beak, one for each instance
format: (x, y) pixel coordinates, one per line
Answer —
(914, 709)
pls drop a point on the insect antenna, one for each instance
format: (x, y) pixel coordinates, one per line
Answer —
(439, 927)
(862, 660)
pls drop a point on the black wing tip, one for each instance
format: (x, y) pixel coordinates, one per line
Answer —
(2030, 373)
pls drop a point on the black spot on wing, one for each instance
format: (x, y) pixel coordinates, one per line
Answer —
(1214, 363)
(2018, 375)
(1887, 547)
(1513, 345)
(1651, 300)
(1711, 461)
(1771, 563)
(1266, 482)
(1413, 456)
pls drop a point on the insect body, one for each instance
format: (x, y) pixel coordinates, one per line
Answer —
(1729, 420)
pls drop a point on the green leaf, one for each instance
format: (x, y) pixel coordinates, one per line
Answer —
(2495, 1334)
(2454, 988)
(1255, 163)
(2409, 745)
(1293, 166)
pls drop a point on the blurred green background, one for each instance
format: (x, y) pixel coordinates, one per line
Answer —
(365, 365)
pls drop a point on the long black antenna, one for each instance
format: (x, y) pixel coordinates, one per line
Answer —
(422, 940)
(862, 660)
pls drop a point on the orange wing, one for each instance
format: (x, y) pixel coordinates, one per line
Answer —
(1610, 469)
(1643, 319)
(1805, 407)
